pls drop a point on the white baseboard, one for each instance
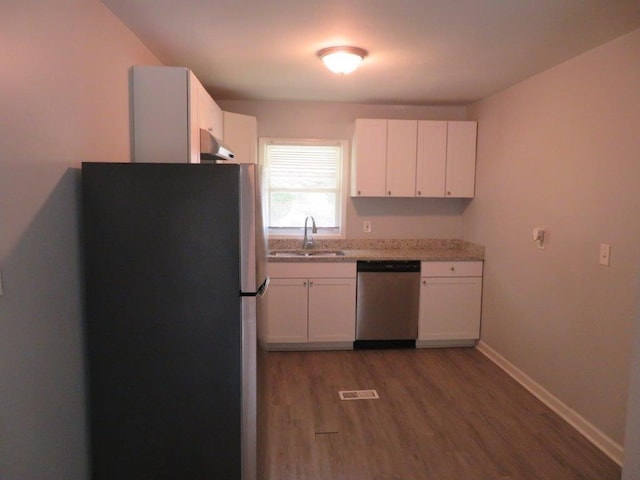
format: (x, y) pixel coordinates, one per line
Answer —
(295, 347)
(609, 447)
(445, 343)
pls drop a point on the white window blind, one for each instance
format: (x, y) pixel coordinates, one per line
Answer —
(304, 179)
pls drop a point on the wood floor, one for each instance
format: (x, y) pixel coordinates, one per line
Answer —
(442, 414)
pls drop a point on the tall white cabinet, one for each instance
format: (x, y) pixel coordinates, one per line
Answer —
(170, 106)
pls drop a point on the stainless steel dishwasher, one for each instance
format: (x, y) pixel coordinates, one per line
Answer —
(387, 303)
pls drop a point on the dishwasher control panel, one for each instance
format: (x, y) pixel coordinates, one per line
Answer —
(388, 266)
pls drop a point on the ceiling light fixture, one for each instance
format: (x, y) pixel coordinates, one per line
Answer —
(342, 60)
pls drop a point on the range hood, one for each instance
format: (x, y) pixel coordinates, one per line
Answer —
(211, 148)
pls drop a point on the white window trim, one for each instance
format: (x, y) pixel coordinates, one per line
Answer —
(344, 185)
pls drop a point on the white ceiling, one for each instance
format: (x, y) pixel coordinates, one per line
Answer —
(420, 51)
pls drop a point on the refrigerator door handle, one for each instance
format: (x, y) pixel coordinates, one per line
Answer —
(262, 289)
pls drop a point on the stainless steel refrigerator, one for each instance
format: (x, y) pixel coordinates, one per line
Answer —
(173, 266)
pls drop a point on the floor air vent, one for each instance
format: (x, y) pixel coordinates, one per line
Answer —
(358, 395)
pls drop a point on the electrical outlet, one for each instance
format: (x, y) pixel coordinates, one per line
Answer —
(366, 226)
(605, 254)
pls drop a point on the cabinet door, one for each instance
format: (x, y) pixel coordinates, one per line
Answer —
(332, 310)
(286, 311)
(368, 161)
(450, 308)
(195, 100)
(161, 114)
(461, 159)
(241, 136)
(431, 161)
(401, 157)
(209, 114)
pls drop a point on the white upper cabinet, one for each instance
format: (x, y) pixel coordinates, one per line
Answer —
(461, 159)
(431, 164)
(401, 158)
(369, 158)
(409, 158)
(209, 113)
(446, 161)
(384, 158)
(241, 136)
(167, 116)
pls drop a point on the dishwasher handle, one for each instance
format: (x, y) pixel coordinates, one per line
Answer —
(408, 266)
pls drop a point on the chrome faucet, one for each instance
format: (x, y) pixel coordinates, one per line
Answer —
(307, 242)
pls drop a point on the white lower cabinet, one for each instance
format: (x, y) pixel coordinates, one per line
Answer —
(309, 306)
(332, 310)
(450, 303)
(313, 305)
(286, 311)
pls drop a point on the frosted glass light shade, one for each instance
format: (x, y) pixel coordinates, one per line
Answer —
(342, 60)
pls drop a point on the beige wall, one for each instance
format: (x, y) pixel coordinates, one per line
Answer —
(64, 99)
(631, 467)
(390, 217)
(561, 150)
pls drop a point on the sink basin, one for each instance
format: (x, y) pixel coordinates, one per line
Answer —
(307, 253)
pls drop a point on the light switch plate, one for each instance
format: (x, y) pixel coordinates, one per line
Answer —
(366, 226)
(605, 254)
(539, 234)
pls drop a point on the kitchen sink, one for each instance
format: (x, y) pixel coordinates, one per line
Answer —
(307, 253)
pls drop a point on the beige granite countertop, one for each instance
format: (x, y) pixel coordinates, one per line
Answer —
(379, 249)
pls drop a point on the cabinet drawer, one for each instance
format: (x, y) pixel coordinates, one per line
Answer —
(451, 269)
(311, 269)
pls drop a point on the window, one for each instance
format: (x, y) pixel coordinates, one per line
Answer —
(304, 178)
